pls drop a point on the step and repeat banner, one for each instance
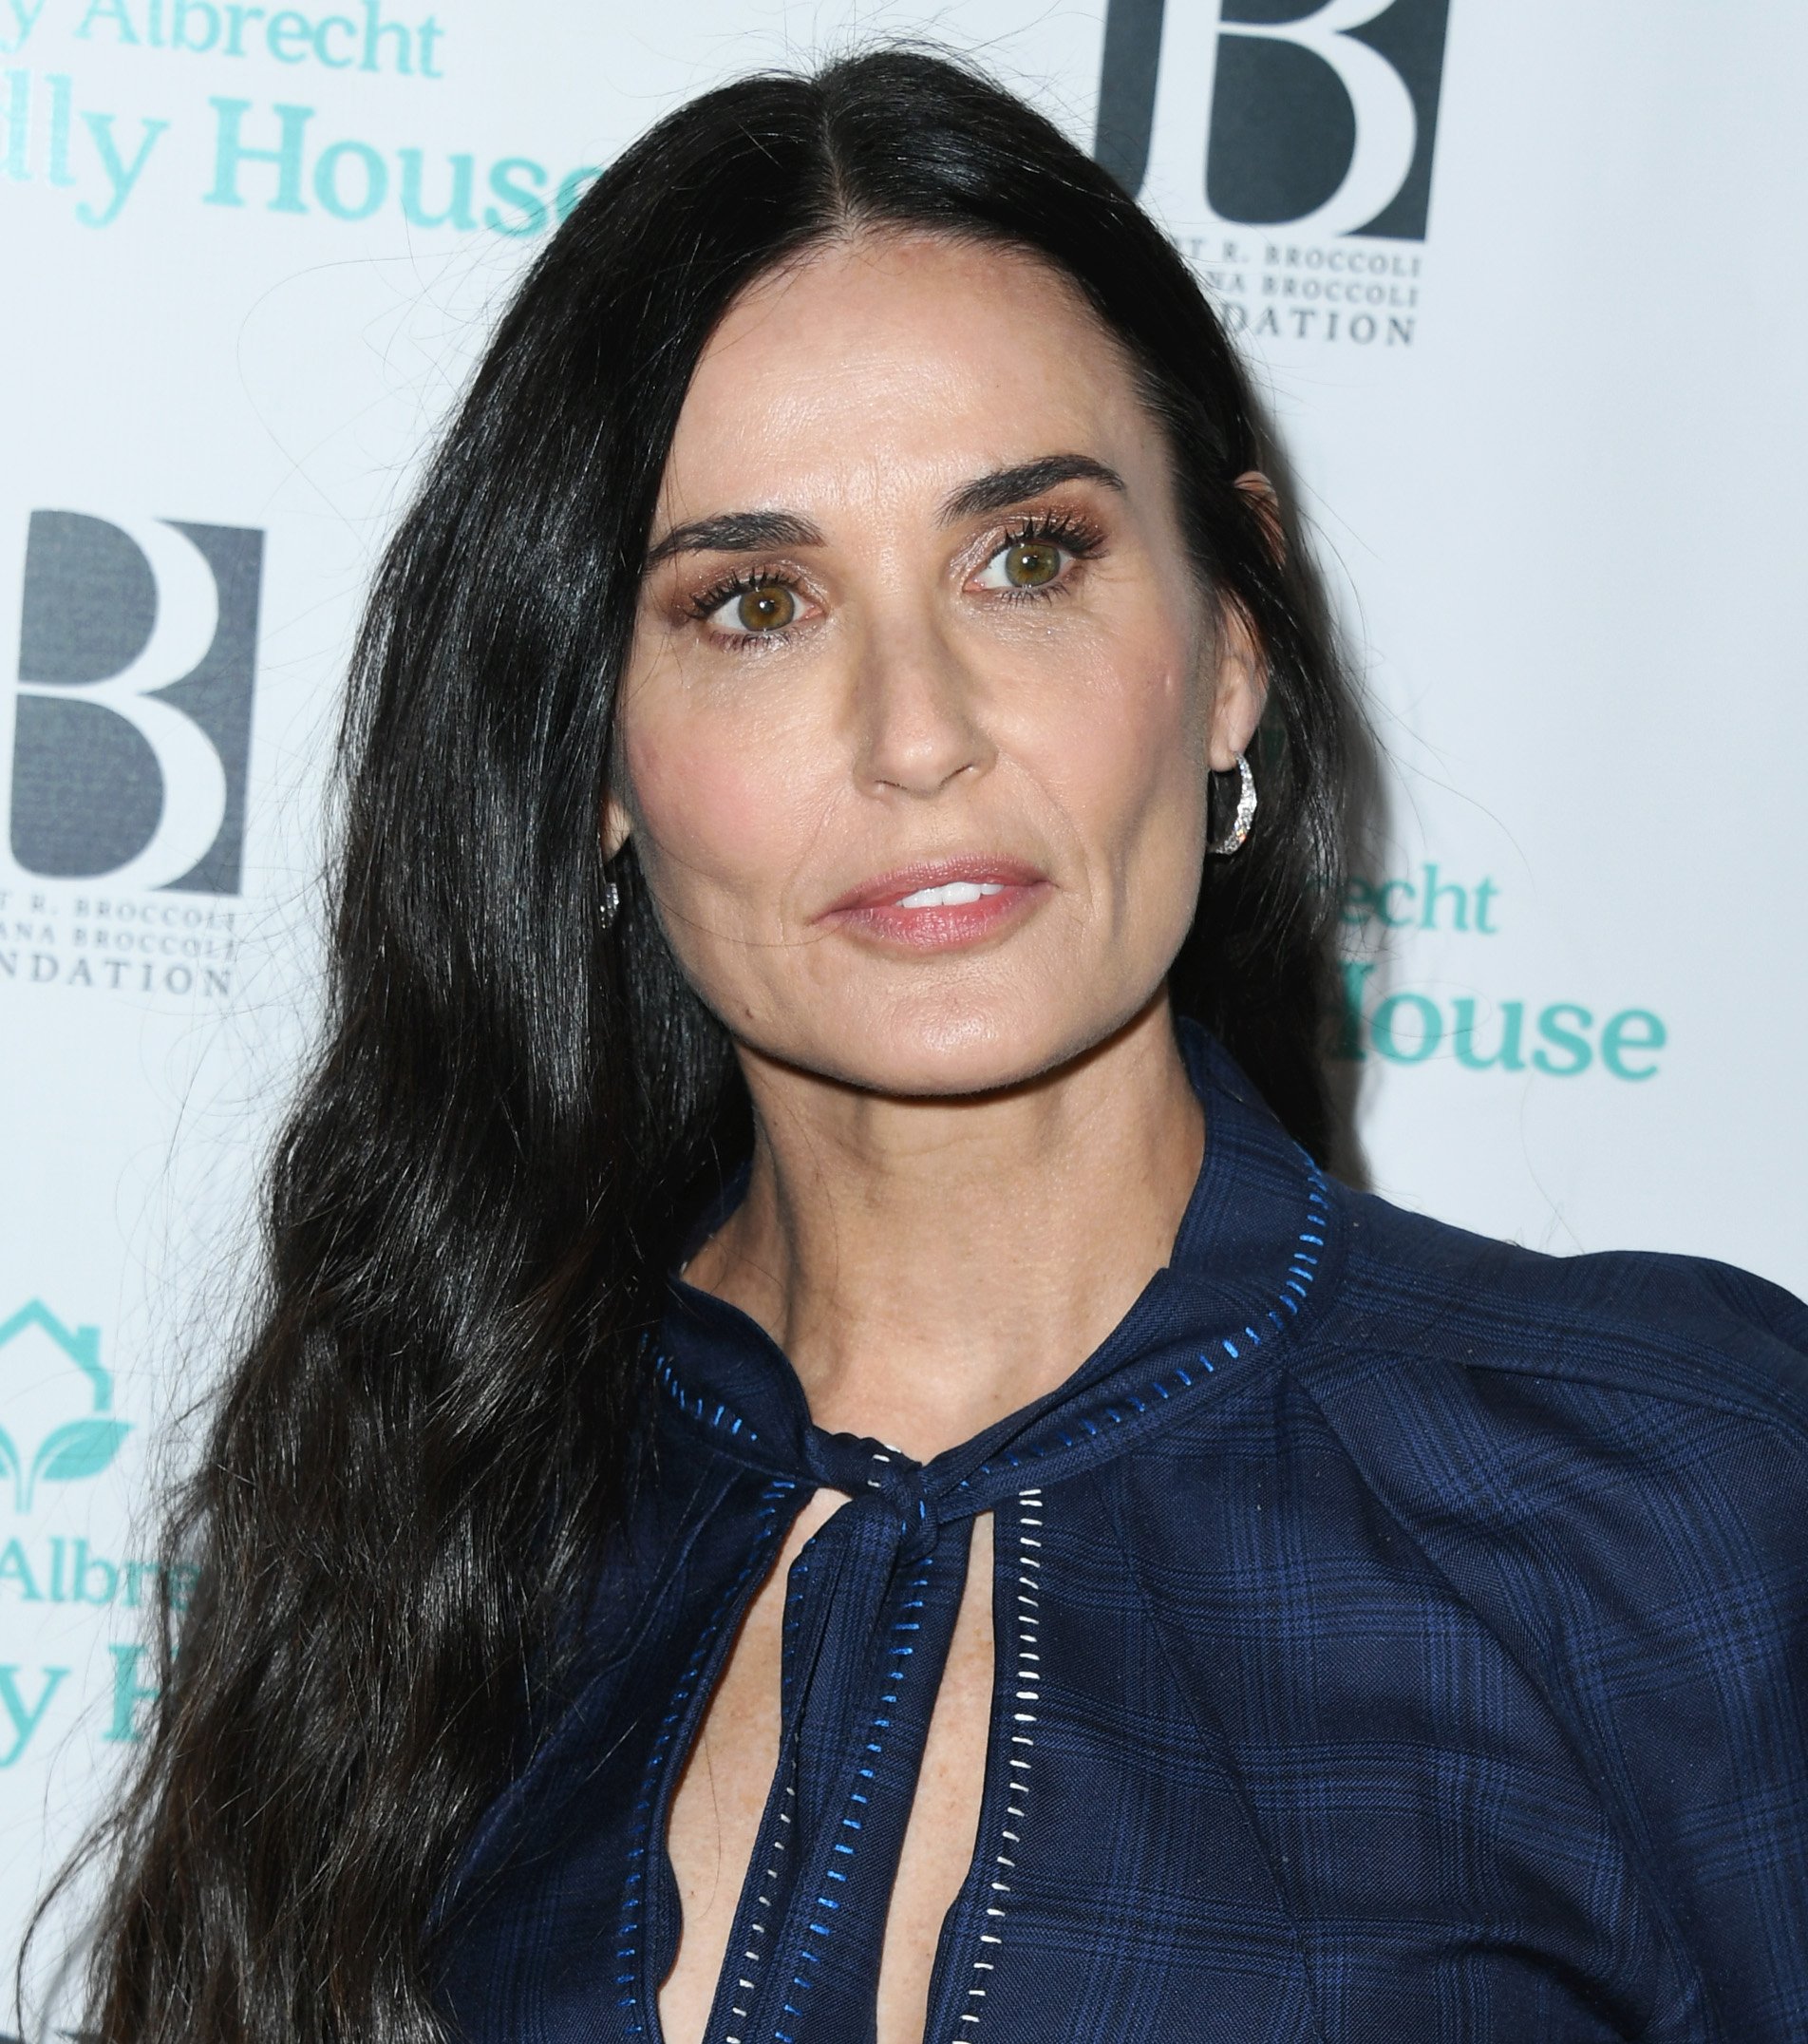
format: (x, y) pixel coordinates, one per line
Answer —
(1524, 292)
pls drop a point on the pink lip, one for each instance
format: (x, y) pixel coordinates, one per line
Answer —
(873, 909)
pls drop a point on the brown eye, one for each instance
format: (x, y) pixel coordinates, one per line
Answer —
(1031, 563)
(767, 607)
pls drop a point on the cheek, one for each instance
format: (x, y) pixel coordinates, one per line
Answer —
(1133, 774)
(718, 801)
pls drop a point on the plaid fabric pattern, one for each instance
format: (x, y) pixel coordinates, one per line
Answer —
(1402, 1639)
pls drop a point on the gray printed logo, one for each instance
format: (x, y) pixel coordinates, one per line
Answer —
(1317, 115)
(132, 727)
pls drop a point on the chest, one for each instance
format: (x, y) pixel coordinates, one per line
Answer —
(726, 1785)
(1162, 1792)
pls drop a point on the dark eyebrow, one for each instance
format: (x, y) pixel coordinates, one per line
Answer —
(1007, 486)
(753, 532)
(735, 532)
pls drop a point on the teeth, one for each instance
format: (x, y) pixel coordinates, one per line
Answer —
(958, 894)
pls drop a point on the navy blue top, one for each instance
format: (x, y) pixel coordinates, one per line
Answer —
(1400, 1637)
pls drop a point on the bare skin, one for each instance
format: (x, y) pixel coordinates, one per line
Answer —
(972, 1146)
(715, 1816)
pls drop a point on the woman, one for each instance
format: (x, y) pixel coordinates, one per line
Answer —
(822, 1461)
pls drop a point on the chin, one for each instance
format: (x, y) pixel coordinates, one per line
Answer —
(955, 1049)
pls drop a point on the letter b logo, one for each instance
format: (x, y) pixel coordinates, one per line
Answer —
(137, 657)
(1318, 115)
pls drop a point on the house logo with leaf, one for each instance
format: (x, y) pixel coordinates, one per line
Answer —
(70, 1450)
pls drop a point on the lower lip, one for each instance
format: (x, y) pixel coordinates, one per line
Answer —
(946, 928)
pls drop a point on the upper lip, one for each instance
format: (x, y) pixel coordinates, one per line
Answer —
(885, 888)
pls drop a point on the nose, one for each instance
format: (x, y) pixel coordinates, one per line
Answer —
(920, 714)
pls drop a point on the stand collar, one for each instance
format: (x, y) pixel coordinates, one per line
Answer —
(1253, 1261)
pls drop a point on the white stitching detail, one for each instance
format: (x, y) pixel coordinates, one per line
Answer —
(1027, 1690)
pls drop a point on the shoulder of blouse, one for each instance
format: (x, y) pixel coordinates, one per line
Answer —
(1420, 1299)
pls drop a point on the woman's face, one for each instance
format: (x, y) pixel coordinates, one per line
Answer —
(915, 732)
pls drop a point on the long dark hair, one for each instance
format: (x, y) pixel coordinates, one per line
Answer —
(428, 1434)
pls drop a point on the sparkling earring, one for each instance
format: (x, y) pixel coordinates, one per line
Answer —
(608, 907)
(1233, 839)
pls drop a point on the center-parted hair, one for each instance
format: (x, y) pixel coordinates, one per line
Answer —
(431, 1429)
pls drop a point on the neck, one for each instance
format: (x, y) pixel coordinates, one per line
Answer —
(931, 1265)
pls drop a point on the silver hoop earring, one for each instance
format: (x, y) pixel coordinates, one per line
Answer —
(608, 907)
(1233, 839)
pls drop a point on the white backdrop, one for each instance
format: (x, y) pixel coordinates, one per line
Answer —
(1545, 419)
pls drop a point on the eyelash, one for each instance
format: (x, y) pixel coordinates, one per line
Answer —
(740, 584)
(1074, 534)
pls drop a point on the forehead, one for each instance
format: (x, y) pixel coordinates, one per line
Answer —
(888, 363)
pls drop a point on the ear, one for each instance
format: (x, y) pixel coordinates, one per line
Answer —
(1264, 502)
(618, 825)
(1241, 693)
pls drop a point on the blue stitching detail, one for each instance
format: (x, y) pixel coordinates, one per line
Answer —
(670, 1383)
(1295, 1287)
(894, 1676)
(627, 1933)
